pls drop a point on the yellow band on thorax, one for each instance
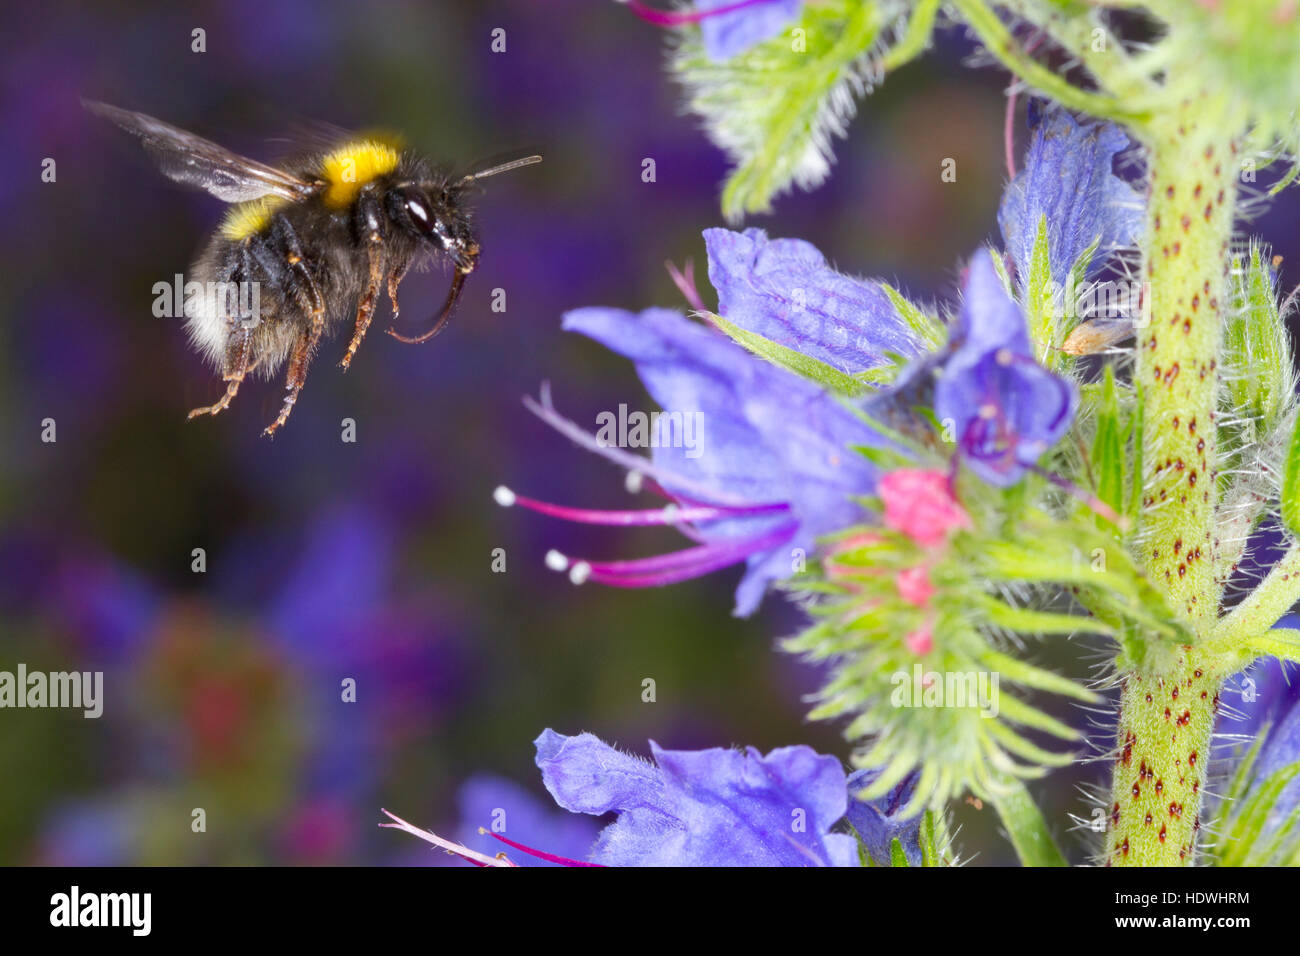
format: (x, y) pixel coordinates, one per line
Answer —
(351, 166)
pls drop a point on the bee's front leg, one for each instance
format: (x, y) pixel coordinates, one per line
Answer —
(370, 225)
(394, 280)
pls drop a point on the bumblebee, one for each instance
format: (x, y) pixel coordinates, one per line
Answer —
(325, 231)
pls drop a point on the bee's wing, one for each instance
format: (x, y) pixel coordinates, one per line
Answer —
(195, 161)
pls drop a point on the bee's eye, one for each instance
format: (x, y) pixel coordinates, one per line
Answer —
(418, 212)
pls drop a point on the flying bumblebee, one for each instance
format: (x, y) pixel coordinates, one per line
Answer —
(327, 230)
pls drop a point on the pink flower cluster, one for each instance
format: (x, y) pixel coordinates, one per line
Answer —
(920, 505)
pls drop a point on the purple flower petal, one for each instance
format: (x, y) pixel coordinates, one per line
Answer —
(784, 290)
(754, 810)
(1005, 409)
(703, 808)
(1068, 178)
(989, 319)
(586, 775)
(1273, 709)
(766, 435)
(504, 807)
(729, 34)
(878, 822)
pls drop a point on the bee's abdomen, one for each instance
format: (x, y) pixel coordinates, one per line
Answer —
(249, 218)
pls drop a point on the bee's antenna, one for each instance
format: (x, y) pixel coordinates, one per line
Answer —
(502, 168)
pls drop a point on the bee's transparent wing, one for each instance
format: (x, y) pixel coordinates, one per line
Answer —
(195, 161)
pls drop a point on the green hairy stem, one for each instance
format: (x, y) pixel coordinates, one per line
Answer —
(1170, 697)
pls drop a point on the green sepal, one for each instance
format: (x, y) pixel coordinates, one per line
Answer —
(931, 838)
(1256, 350)
(1108, 450)
(928, 328)
(1136, 437)
(1286, 180)
(1017, 711)
(1025, 825)
(1040, 309)
(1027, 675)
(1280, 642)
(827, 376)
(897, 856)
(1246, 839)
(1030, 621)
(1291, 482)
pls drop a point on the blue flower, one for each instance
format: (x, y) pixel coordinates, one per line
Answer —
(880, 822)
(730, 27)
(769, 469)
(783, 290)
(1068, 179)
(713, 807)
(716, 807)
(1005, 408)
(1269, 713)
(1281, 747)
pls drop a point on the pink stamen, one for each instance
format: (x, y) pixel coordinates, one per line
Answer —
(674, 566)
(1009, 123)
(641, 483)
(456, 849)
(1009, 133)
(677, 18)
(670, 515)
(540, 854)
(1085, 497)
(685, 282)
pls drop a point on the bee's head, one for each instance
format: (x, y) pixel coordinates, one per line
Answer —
(435, 215)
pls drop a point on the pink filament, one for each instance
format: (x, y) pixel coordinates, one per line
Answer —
(683, 565)
(653, 516)
(542, 854)
(671, 18)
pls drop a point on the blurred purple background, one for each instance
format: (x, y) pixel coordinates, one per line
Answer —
(372, 561)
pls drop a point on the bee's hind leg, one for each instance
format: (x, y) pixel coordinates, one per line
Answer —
(299, 360)
(304, 347)
(238, 361)
(238, 366)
